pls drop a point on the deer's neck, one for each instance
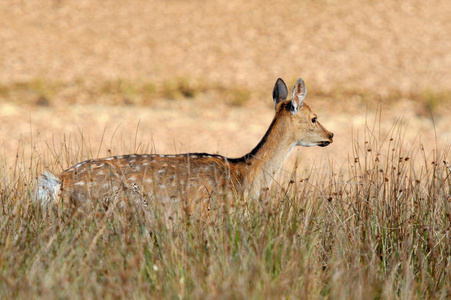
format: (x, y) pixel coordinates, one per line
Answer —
(266, 159)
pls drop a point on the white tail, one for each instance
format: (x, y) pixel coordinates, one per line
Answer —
(47, 189)
(193, 177)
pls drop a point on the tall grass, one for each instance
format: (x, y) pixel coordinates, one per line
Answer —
(377, 226)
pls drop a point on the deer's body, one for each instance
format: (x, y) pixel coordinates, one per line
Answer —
(193, 177)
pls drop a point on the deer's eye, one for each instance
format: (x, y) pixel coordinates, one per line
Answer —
(314, 120)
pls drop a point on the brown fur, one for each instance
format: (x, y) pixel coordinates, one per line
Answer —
(193, 177)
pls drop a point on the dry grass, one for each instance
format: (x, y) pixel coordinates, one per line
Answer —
(377, 226)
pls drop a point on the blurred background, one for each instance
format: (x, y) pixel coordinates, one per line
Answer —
(176, 76)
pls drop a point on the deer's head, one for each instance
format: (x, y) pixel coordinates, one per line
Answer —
(304, 125)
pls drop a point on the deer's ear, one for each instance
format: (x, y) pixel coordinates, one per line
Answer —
(280, 92)
(298, 95)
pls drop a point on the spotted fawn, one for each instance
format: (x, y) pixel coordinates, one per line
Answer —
(192, 178)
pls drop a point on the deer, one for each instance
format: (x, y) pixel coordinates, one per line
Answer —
(192, 178)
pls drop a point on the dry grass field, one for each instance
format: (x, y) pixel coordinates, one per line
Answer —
(366, 217)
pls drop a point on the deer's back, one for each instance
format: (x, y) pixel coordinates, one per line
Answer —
(144, 177)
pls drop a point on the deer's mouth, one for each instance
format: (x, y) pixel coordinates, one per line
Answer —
(327, 142)
(324, 143)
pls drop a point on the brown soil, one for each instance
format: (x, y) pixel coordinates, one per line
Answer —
(381, 49)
